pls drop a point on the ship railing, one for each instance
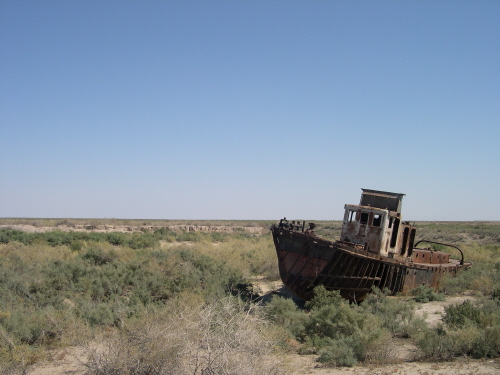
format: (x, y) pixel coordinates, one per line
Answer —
(443, 244)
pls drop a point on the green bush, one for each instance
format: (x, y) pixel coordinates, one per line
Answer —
(10, 235)
(488, 344)
(339, 353)
(435, 343)
(285, 313)
(77, 245)
(332, 320)
(395, 315)
(142, 241)
(189, 236)
(468, 340)
(99, 257)
(99, 314)
(324, 297)
(459, 314)
(470, 280)
(424, 294)
(471, 329)
(116, 239)
(342, 334)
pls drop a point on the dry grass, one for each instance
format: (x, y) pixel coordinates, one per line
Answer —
(220, 337)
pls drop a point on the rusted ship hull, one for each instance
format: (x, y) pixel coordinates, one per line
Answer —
(306, 261)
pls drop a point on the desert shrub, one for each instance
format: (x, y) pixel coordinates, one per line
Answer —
(484, 276)
(164, 231)
(189, 236)
(435, 343)
(495, 294)
(212, 275)
(338, 353)
(341, 333)
(458, 315)
(99, 257)
(468, 340)
(471, 328)
(395, 315)
(217, 237)
(285, 313)
(13, 367)
(142, 241)
(343, 321)
(483, 312)
(333, 322)
(222, 336)
(479, 278)
(39, 327)
(424, 294)
(77, 245)
(488, 344)
(57, 238)
(99, 314)
(27, 327)
(324, 297)
(11, 235)
(116, 239)
(476, 341)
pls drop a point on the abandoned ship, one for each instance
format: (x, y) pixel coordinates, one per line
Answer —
(376, 249)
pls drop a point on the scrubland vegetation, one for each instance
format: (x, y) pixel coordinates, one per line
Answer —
(176, 302)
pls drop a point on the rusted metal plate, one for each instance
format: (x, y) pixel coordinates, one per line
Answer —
(430, 257)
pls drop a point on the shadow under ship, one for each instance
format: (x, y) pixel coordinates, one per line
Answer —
(376, 249)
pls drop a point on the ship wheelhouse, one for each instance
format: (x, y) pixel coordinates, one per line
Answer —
(376, 225)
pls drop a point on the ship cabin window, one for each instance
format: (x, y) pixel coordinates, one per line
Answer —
(404, 244)
(364, 218)
(394, 236)
(377, 220)
(352, 216)
(412, 240)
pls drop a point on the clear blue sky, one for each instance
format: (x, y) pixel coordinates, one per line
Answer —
(248, 109)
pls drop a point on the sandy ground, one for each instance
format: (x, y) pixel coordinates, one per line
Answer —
(307, 365)
(65, 361)
(71, 360)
